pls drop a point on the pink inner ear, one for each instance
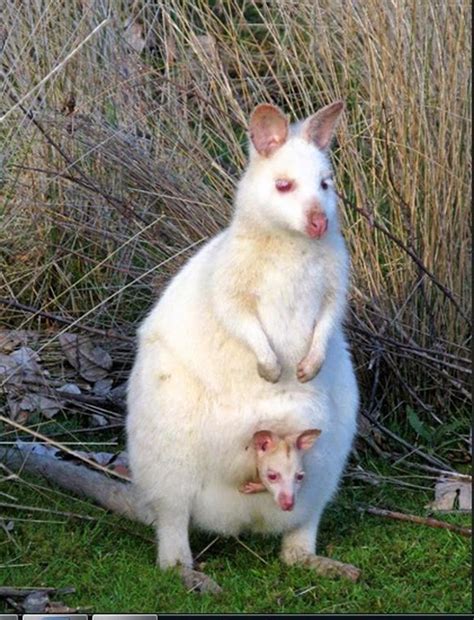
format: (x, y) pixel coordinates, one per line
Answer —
(320, 127)
(268, 129)
(263, 440)
(307, 439)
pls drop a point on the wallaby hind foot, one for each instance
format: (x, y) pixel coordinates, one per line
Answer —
(323, 566)
(196, 581)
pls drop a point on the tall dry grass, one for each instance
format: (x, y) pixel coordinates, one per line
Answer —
(125, 159)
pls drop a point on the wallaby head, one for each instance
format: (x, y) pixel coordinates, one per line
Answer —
(280, 463)
(288, 182)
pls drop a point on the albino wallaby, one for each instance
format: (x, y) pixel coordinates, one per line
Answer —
(279, 465)
(267, 293)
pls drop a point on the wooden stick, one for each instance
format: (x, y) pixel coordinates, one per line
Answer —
(6, 591)
(119, 497)
(401, 516)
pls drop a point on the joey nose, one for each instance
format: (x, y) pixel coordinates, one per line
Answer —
(286, 502)
(317, 224)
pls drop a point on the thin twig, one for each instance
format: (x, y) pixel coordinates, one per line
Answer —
(59, 319)
(430, 459)
(401, 516)
(250, 550)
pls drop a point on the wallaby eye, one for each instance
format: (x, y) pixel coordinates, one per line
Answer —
(326, 183)
(300, 475)
(273, 476)
(284, 185)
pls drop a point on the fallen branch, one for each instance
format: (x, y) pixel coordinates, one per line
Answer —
(118, 497)
(6, 591)
(401, 516)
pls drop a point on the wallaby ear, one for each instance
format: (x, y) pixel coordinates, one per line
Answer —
(306, 439)
(319, 128)
(268, 129)
(264, 441)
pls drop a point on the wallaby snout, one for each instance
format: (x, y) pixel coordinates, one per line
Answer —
(317, 223)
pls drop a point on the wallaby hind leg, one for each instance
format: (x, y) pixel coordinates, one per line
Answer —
(172, 533)
(299, 545)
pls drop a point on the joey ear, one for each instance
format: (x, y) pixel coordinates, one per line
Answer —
(268, 129)
(264, 441)
(306, 439)
(319, 128)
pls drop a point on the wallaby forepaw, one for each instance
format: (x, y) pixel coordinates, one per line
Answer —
(195, 581)
(308, 368)
(269, 372)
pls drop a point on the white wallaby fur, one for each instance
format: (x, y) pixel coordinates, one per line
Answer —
(248, 336)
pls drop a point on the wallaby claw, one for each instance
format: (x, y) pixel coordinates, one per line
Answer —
(196, 581)
(308, 368)
(269, 373)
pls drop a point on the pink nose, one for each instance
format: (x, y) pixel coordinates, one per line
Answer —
(317, 224)
(286, 501)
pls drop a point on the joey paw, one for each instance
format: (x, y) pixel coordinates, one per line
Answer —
(308, 368)
(269, 372)
(196, 581)
(251, 487)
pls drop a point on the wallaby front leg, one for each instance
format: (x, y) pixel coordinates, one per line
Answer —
(311, 364)
(245, 325)
(268, 366)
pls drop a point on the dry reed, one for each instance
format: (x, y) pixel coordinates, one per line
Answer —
(128, 156)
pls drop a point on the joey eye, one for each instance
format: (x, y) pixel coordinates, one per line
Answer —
(300, 475)
(325, 184)
(284, 185)
(272, 476)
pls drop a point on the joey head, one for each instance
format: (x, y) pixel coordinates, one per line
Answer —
(279, 462)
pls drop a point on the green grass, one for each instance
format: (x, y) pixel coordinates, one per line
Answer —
(110, 561)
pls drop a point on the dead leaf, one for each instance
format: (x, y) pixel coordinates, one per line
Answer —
(20, 365)
(92, 362)
(99, 420)
(35, 602)
(102, 387)
(69, 388)
(10, 339)
(49, 407)
(118, 394)
(450, 491)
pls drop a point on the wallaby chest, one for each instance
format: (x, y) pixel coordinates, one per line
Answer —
(289, 298)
